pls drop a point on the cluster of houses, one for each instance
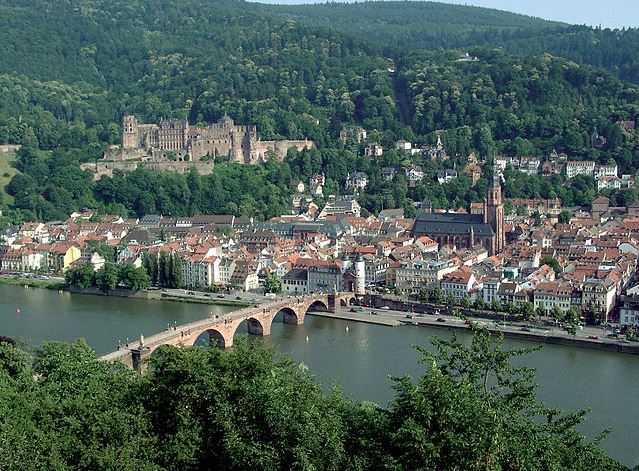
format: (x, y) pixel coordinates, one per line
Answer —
(606, 175)
(594, 257)
(359, 135)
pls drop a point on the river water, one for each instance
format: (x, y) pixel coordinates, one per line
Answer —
(359, 360)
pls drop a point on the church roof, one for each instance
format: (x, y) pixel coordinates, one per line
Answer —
(451, 223)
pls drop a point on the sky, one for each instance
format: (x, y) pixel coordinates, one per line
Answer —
(607, 13)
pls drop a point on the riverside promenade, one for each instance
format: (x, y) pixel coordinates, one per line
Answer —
(518, 331)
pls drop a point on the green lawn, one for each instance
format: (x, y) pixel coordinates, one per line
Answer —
(7, 171)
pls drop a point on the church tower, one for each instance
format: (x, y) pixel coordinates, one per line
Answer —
(494, 212)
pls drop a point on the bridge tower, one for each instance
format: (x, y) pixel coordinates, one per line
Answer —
(360, 276)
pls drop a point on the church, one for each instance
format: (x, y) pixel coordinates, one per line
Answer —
(467, 230)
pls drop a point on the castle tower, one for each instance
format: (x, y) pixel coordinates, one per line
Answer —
(360, 276)
(130, 132)
(494, 212)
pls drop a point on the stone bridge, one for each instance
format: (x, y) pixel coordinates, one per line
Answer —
(221, 329)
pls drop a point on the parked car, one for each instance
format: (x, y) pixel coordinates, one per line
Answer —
(593, 337)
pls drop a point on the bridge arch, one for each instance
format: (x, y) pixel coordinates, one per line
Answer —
(317, 305)
(255, 325)
(212, 337)
(290, 316)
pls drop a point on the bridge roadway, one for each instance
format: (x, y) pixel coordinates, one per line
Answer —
(221, 329)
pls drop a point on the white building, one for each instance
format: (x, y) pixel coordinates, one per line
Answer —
(373, 150)
(529, 165)
(609, 170)
(629, 311)
(200, 270)
(345, 205)
(580, 167)
(226, 267)
(356, 181)
(459, 284)
(490, 288)
(607, 182)
(414, 174)
(446, 176)
(295, 282)
(375, 269)
(599, 295)
(403, 146)
(553, 295)
(414, 275)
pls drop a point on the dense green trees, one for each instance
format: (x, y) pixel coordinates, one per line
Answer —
(272, 284)
(107, 278)
(163, 270)
(518, 106)
(202, 408)
(397, 26)
(81, 277)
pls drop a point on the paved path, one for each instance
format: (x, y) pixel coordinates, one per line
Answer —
(364, 317)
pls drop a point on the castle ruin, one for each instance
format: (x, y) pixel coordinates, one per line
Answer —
(178, 146)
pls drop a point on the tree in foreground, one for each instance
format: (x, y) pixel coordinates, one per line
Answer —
(250, 408)
(272, 284)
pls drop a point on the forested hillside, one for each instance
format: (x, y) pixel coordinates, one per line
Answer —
(396, 26)
(71, 68)
(498, 103)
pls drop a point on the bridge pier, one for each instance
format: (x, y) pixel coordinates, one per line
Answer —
(140, 358)
(256, 327)
(292, 318)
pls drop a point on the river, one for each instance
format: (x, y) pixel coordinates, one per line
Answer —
(359, 360)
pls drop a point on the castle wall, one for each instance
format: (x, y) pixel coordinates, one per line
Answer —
(279, 148)
(148, 144)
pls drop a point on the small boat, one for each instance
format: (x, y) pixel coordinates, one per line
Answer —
(347, 329)
(307, 339)
(18, 311)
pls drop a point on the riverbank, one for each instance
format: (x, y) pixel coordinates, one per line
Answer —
(202, 300)
(32, 282)
(162, 295)
(371, 319)
(533, 336)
